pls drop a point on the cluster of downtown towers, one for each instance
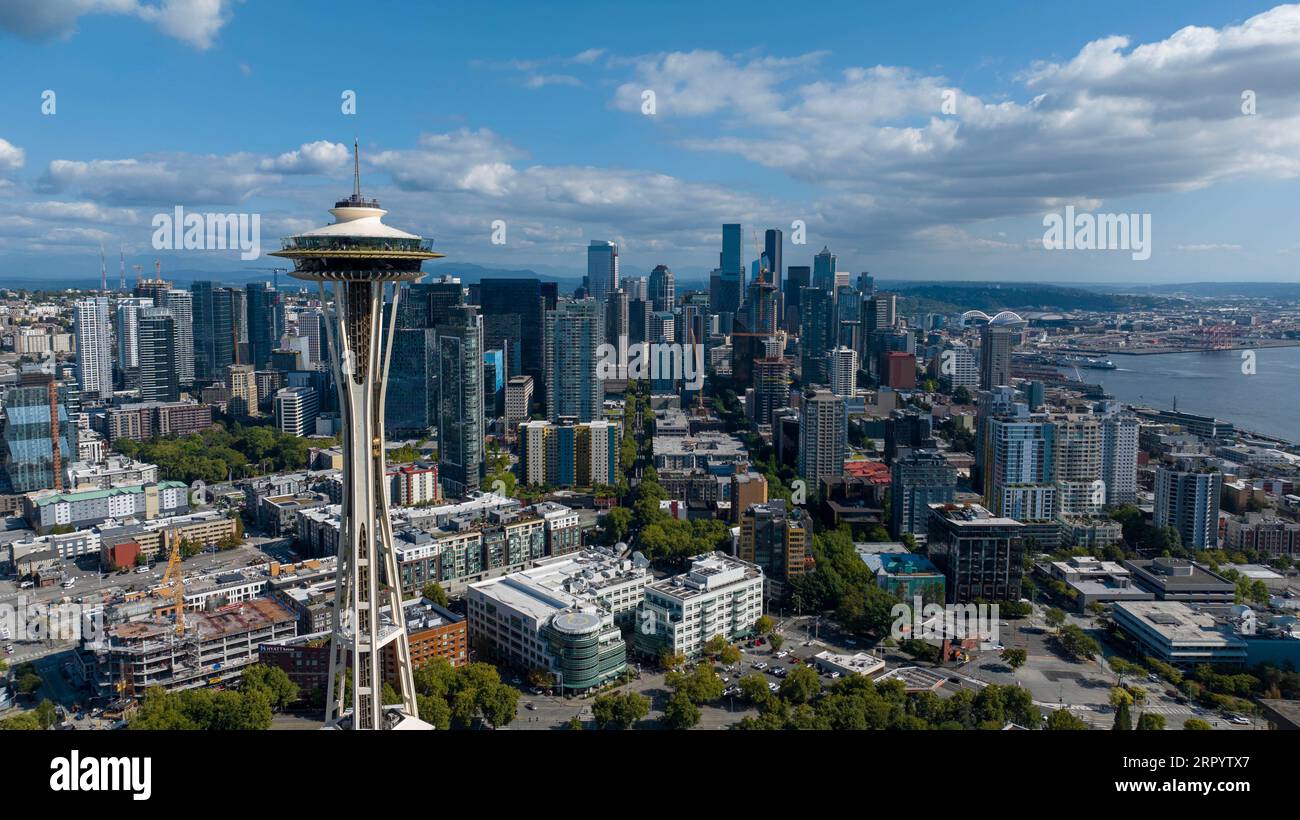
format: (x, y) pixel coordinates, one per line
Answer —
(455, 348)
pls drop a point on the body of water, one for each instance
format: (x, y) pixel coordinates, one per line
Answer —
(1213, 384)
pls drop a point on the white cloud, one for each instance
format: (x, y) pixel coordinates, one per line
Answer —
(196, 22)
(1208, 247)
(1113, 122)
(11, 156)
(320, 157)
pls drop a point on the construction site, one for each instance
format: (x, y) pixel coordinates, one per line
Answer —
(177, 649)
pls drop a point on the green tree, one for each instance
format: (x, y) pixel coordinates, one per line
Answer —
(1196, 724)
(681, 712)
(434, 592)
(764, 625)
(1151, 722)
(46, 713)
(1062, 719)
(281, 691)
(1055, 617)
(27, 721)
(800, 685)
(1123, 716)
(619, 710)
(1015, 658)
(1077, 643)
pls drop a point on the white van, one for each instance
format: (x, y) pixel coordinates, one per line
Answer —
(70, 583)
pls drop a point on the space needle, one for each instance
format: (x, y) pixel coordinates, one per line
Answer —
(352, 260)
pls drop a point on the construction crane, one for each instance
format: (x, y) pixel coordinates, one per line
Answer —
(139, 270)
(275, 276)
(121, 280)
(173, 582)
(103, 270)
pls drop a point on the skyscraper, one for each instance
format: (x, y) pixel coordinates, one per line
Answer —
(214, 330)
(261, 307)
(1119, 450)
(94, 348)
(512, 321)
(995, 356)
(823, 437)
(461, 463)
(797, 278)
(1076, 464)
(773, 245)
(662, 288)
(180, 303)
(823, 275)
(816, 311)
(355, 257)
(602, 269)
(37, 437)
(1020, 473)
(159, 371)
(844, 371)
(574, 331)
(128, 339)
(412, 407)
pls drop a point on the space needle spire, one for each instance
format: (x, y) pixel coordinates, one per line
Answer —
(352, 260)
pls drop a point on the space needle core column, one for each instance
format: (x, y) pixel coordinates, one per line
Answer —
(352, 260)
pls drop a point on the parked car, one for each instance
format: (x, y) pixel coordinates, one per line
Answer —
(141, 570)
(772, 687)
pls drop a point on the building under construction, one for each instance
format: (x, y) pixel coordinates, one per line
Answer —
(213, 648)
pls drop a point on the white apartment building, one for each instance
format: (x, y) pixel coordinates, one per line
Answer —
(94, 348)
(719, 595)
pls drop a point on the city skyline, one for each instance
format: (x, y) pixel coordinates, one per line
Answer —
(545, 133)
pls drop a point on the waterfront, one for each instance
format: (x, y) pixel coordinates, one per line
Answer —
(1213, 384)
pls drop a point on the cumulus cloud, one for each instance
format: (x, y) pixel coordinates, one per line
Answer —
(320, 157)
(1118, 120)
(196, 22)
(11, 156)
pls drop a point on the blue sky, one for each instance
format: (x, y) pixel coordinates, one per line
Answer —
(765, 114)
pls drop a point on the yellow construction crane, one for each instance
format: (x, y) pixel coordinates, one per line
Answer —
(173, 582)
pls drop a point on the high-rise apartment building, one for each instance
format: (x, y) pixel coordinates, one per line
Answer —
(778, 539)
(181, 305)
(295, 410)
(94, 348)
(461, 457)
(918, 479)
(995, 356)
(1187, 499)
(844, 371)
(823, 436)
(574, 332)
(159, 371)
(1020, 473)
(1076, 464)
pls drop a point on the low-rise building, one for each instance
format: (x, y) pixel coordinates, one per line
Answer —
(1176, 579)
(559, 618)
(719, 595)
(48, 509)
(1176, 634)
